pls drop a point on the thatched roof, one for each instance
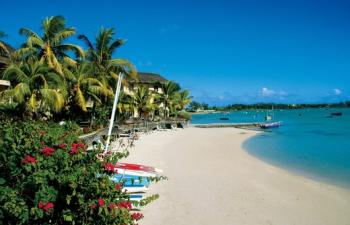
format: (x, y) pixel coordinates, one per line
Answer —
(149, 78)
(4, 59)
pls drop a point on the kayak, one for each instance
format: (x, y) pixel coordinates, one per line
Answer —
(134, 189)
(138, 173)
(131, 166)
(130, 180)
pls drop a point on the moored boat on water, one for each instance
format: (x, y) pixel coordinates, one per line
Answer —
(270, 125)
(337, 114)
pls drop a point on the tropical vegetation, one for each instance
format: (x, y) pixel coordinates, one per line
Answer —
(54, 80)
(47, 175)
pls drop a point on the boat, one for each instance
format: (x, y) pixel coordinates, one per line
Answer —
(130, 180)
(268, 118)
(224, 118)
(137, 167)
(135, 189)
(136, 173)
(270, 125)
(337, 114)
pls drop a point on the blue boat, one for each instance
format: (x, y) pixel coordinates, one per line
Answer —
(130, 180)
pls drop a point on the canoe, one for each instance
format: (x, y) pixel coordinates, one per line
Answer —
(135, 197)
(136, 189)
(138, 173)
(131, 166)
(130, 180)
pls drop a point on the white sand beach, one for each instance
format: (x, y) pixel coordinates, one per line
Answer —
(212, 180)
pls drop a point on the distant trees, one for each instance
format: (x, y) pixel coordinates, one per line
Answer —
(194, 106)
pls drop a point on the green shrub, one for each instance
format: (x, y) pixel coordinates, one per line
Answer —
(185, 115)
(48, 177)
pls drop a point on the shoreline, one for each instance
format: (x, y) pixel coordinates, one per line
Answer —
(296, 172)
(213, 180)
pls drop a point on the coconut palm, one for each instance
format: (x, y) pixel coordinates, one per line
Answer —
(84, 86)
(101, 54)
(182, 99)
(35, 87)
(3, 48)
(50, 47)
(141, 100)
(167, 96)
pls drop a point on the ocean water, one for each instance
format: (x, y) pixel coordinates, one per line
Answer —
(309, 142)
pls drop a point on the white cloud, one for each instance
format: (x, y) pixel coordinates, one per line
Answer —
(337, 91)
(267, 92)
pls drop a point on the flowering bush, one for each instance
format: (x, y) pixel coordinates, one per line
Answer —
(48, 177)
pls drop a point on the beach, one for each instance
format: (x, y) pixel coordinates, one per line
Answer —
(213, 180)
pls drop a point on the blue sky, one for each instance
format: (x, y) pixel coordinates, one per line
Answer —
(222, 51)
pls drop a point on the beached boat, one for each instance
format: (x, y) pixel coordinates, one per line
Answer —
(130, 189)
(136, 173)
(270, 125)
(130, 180)
(138, 167)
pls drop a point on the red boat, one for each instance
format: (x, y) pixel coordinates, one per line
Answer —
(138, 167)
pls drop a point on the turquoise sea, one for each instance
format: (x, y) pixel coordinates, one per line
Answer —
(309, 142)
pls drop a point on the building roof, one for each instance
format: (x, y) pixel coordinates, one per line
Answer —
(149, 78)
(4, 59)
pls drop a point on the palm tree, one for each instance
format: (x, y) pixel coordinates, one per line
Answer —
(141, 100)
(49, 47)
(167, 96)
(182, 99)
(35, 87)
(3, 48)
(84, 86)
(101, 54)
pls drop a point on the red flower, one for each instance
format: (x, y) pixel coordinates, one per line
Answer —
(93, 206)
(74, 149)
(109, 167)
(40, 205)
(47, 151)
(112, 205)
(118, 186)
(136, 216)
(48, 206)
(29, 159)
(125, 205)
(101, 202)
(63, 146)
(81, 145)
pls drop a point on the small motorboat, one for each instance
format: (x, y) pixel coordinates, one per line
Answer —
(337, 114)
(224, 118)
(270, 125)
